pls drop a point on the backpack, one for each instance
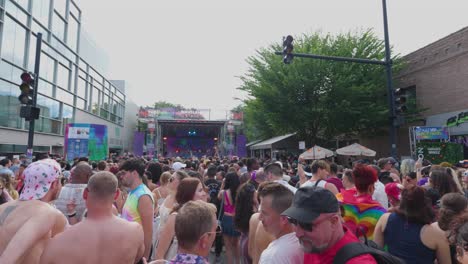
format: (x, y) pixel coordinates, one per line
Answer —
(355, 249)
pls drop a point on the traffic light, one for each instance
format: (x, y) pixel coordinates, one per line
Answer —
(400, 100)
(288, 49)
(27, 89)
(28, 111)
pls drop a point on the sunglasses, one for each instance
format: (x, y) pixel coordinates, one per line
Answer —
(305, 226)
(218, 231)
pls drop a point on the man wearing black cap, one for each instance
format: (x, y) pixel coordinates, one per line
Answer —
(315, 216)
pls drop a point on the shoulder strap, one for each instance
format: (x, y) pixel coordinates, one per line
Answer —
(317, 182)
(350, 251)
(221, 208)
(159, 193)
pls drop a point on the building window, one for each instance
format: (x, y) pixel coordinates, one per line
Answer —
(72, 33)
(61, 7)
(81, 88)
(16, 12)
(64, 96)
(9, 116)
(14, 42)
(58, 27)
(63, 76)
(41, 10)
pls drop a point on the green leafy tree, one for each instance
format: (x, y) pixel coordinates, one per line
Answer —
(164, 104)
(318, 99)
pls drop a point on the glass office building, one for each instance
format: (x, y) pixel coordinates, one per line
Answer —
(70, 89)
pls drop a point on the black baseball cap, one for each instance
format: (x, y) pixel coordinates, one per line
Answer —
(310, 202)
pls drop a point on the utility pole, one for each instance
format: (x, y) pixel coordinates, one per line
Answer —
(289, 55)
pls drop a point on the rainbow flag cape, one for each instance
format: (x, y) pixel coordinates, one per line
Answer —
(360, 214)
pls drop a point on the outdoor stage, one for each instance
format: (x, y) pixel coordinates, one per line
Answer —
(187, 138)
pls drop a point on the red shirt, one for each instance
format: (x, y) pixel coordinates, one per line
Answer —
(337, 182)
(327, 256)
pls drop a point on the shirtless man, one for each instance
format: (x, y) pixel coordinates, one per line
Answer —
(259, 238)
(27, 224)
(101, 237)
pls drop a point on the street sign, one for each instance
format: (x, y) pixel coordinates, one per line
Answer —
(301, 144)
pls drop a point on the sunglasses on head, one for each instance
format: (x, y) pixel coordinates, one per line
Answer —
(304, 226)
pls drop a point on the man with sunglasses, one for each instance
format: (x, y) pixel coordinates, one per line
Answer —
(315, 216)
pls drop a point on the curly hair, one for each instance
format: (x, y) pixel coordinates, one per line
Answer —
(452, 205)
(244, 207)
(459, 230)
(364, 176)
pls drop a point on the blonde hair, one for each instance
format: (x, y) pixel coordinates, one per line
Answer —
(165, 176)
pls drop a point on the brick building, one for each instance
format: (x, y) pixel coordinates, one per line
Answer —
(437, 74)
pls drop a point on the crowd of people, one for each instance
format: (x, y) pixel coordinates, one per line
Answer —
(133, 210)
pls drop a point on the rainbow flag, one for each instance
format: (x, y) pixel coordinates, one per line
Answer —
(359, 214)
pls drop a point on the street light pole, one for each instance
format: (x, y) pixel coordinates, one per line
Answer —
(388, 66)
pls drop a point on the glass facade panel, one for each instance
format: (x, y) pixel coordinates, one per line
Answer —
(95, 101)
(47, 67)
(81, 88)
(14, 41)
(63, 75)
(80, 103)
(72, 33)
(58, 27)
(9, 115)
(74, 10)
(45, 88)
(10, 72)
(50, 108)
(16, 12)
(64, 96)
(61, 7)
(47, 125)
(40, 11)
(23, 3)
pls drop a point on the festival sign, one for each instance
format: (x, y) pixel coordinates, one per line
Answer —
(428, 133)
(86, 140)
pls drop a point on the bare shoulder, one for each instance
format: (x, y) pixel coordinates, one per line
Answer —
(254, 219)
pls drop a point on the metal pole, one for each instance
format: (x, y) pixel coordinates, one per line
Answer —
(37, 63)
(391, 100)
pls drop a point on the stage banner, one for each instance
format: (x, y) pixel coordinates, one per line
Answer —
(241, 141)
(86, 140)
(427, 133)
(138, 142)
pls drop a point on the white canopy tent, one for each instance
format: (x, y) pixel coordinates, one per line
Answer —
(356, 150)
(316, 152)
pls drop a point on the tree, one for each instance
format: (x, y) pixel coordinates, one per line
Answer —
(164, 104)
(318, 99)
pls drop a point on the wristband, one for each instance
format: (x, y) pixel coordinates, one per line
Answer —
(72, 215)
